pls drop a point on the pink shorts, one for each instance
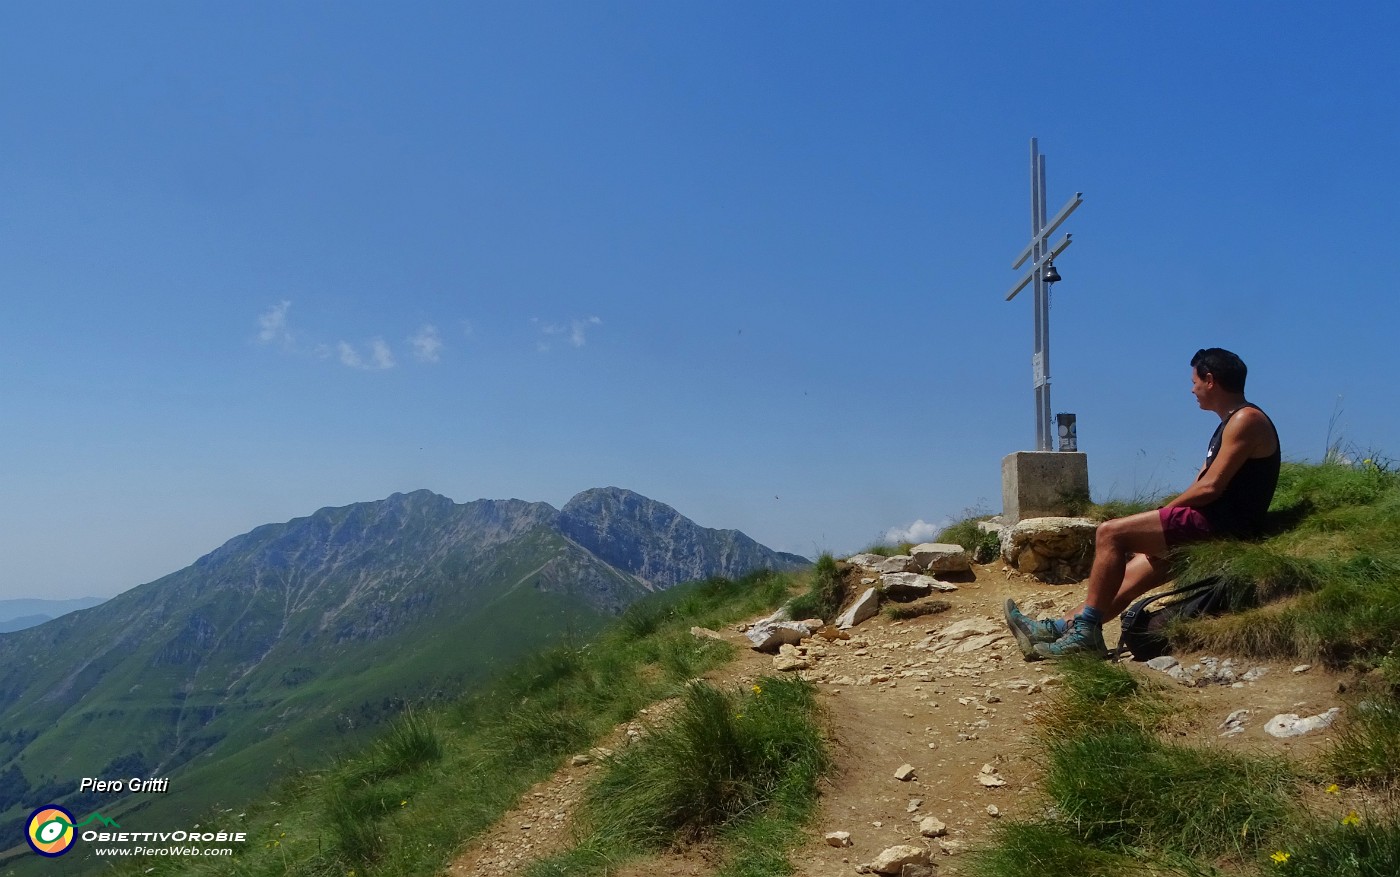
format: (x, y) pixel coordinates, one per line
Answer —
(1181, 525)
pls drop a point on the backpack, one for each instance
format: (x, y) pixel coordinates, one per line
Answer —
(1145, 623)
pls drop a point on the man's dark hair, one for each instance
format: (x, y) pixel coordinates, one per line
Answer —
(1229, 370)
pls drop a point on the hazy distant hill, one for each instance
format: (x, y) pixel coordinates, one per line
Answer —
(22, 622)
(22, 613)
(295, 636)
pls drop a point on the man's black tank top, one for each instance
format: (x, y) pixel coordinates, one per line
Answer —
(1240, 509)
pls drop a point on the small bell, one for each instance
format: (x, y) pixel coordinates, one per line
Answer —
(1050, 275)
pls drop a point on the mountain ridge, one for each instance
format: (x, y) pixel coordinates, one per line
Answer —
(297, 634)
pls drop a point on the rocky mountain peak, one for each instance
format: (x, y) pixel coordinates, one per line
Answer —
(658, 544)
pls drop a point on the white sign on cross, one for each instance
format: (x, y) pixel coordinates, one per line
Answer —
(1041, 255)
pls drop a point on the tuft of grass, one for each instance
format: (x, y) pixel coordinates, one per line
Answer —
(411, 742)
(1389, 670)
(683, 657)
(1351, 617)
(1367, 748)
(1256, 572)
(644, 618)
(539, 729)
(1101, 694)
(824, 596)
(720, 756)
(903, 611)
(1037, 849)
(1123, 788)
(1334, 485)
(716, 600)
(1368, 848)
(889, 550)
(1268, 632)
(742, 766)
(981, 547)
(355, 828)
(1119, 508)
(1103, 754)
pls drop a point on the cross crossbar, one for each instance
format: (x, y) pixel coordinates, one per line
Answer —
(1044, 233)
(1035, 269)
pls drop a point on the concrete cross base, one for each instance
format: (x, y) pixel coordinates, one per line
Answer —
(1041, 484)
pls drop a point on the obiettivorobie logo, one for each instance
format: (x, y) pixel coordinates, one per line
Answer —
(51, 830)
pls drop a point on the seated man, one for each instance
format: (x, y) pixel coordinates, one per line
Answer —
(1228, 499)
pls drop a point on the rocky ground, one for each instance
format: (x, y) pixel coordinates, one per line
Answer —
(930, 721)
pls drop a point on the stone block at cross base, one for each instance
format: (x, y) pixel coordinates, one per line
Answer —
(1039, 484)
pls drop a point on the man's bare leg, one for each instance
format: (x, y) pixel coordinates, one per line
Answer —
(1142, 574)
(1115, 543)
(1113, 580)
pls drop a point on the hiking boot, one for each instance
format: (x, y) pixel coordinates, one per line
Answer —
(1082, 638)
(1028, 631)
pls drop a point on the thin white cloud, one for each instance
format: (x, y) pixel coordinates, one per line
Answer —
(427, 344)
(577, 331)
(919, 531)
(349, 356)
(272, 325)
(545, 329)
(578, 336)
(373, 355)
(380, 356)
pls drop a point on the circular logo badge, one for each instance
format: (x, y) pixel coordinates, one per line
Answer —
(50, 831)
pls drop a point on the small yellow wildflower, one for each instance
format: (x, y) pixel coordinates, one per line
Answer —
(738, 715)
(1351, 819)
(1279, 857)
(1332, 789)
(403, 803)
(758, 689)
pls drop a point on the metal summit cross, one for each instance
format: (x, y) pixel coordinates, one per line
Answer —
(1044, 482)
(1042, 255)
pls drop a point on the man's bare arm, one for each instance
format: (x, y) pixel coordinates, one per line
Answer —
(1246, 435)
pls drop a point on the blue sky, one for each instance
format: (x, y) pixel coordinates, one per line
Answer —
(745, 258)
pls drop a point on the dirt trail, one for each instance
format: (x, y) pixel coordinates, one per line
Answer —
(899, 693)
